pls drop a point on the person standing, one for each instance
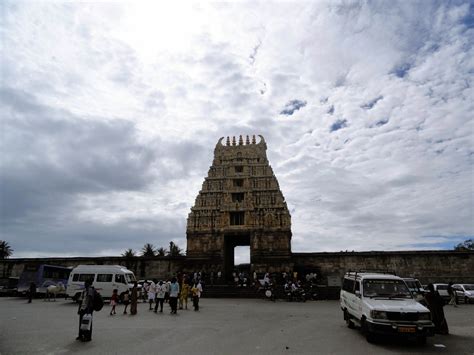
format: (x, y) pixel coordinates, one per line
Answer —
(151, 293)
(126, 301)
(184, 294)
(134, 299)
(114, 301)
(452, 293)
(174, 293)
(435, 304)
(160, 296)
(86, 309)
(31, 291)
(167, 290)
(196, 291)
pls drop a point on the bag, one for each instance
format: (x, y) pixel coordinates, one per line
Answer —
(86, 322)
(98, 301)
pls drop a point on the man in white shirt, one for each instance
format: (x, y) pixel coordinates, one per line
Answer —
(196, 290)
(160, 290)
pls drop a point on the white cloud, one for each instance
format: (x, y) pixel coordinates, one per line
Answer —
(396, 175)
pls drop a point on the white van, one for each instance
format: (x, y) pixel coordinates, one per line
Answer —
(382, 304)
(105, 279)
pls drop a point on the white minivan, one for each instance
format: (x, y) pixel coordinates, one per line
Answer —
(381, 303)
(105, 279)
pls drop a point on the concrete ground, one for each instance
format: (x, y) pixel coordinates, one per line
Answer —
(222, 326)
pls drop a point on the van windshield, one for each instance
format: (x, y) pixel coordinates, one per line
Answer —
(386, 288)
(130, 278)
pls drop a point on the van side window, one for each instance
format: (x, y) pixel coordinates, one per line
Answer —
(119, 278)
(104, 277)
(348, 285)
(84, 277)
(357, 286)
(75, 277)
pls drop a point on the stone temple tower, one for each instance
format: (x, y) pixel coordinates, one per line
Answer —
(240, 204)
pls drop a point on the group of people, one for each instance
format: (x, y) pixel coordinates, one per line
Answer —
(174, 293)
(158, 292)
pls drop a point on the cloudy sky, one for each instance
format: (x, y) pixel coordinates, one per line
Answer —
(110, 113)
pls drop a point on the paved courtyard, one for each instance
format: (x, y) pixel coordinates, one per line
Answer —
(222, 326)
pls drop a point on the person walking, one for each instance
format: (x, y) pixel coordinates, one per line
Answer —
(435, 304)
(114, 301)
(196, 291)
(126, 301)
(184, 294)
(160, 296)
(452, 293)
(134, 299)
(85, 311)
(174, 293)
(31, 291)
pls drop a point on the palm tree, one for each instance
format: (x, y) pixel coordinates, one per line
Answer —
(5, 250)
(148, 250)
(161, 251)
(174, 250)
(129, 253)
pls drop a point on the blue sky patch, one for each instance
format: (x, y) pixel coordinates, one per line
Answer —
(339, 124)
(292, 106)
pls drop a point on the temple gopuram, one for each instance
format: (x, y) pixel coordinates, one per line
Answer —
(240, 204)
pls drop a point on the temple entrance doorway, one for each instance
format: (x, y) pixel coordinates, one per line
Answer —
(231, 241)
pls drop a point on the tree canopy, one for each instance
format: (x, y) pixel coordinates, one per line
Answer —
(161, 252)
(129, 253)
(148, 250)
(174, 250)
(5, 250)
(466, 245)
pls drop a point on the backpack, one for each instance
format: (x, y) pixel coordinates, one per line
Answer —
(98, 301)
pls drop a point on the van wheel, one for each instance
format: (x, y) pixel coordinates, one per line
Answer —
(347, 318)
(466, 300)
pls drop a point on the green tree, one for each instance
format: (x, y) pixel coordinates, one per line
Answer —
(129, 253)
(466, 245)
(148, 250)
(161, 251)
(5, 250)
(174, 250)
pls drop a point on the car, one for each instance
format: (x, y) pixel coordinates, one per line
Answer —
(382, 304)
(9, 286)
(415, 288)
(465, 291)
(443, 291)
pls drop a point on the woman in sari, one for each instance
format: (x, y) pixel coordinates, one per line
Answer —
(435, 304)
(134, 299)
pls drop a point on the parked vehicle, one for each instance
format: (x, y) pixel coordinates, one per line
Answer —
(105, 279)
(43, 276)
(381, 303)
(443, 291)
(415, 288)
(9, 286)
(465, 291)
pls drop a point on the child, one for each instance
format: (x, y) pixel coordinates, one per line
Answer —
(126, 301)
(113, 301)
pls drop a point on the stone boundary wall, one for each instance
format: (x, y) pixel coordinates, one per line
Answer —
(428, 266)
(150, 267)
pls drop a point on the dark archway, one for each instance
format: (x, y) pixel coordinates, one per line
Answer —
(230, 242)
